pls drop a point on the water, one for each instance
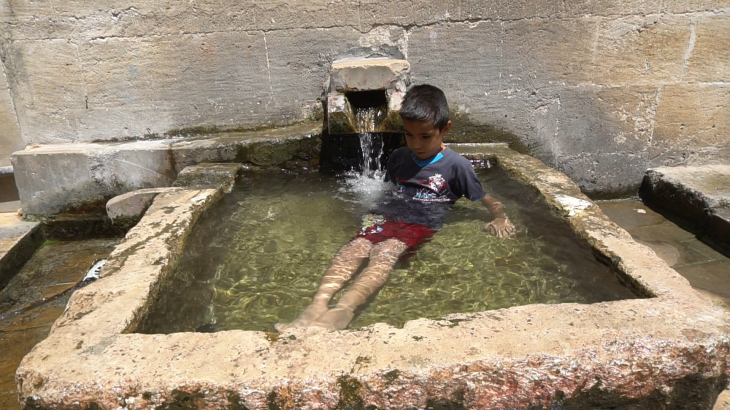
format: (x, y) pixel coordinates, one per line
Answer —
(259, 257)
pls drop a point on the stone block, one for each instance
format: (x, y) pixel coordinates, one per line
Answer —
(59, 178)
(689, 6)
(299, 61)
(641, 50)
(406, 13)
(219, 176)
(84, 21)
(503, 58)
(340, 116)
(220, 79)
(708, 59)
(47, 108)
(690, 117)
(282, 14)
(607, 175)
(10, 138)
(366, 74)
(18, 241)
(127, 209)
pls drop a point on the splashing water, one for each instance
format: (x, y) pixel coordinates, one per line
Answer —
(366, 186)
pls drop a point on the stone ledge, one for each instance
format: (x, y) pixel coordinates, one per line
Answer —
(698, 197)
(18, 241)
(79, 177)
(625, 352)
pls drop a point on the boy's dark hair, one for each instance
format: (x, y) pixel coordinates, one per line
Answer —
(425, 103)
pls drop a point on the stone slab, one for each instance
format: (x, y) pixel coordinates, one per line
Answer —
(209, 175)
(58, 178)
(697, 196)
(369, 74)
(18, 240)
(127, 209)
(671, 347)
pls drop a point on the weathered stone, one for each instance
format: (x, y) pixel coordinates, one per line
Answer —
(127, 209)
(18, 241)
(74, 177)
(698, 196)
(58, 178)
(689, 117)
(340, 116)
(641, 50)
(706, 59)
(671, 348)
(218, 176)
(299, 61)
(199, 84)
(232, 64)
(10, 138)
(48, 116)
(373, 13)
(689, 6)
(369, 74)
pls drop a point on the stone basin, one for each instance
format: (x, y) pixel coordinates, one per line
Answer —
(670, 347)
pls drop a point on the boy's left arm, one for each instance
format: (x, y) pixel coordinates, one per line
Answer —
(501, 226)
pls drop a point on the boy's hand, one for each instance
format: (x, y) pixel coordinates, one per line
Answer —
(500, 227)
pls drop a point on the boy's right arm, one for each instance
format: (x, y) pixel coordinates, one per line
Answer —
(501, 226)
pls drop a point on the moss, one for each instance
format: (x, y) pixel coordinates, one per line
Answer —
(235, 402)
(271, 403)
(350, 395)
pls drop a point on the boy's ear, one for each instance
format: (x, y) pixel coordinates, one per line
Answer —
(446, 128)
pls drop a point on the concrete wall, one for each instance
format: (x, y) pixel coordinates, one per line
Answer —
(600, 90)
(10, 137)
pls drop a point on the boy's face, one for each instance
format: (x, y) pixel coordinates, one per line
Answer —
(424, 138)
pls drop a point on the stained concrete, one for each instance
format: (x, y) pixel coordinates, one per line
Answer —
(599, 90)
(671, 347)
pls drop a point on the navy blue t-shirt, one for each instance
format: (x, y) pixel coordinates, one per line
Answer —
(426, 190)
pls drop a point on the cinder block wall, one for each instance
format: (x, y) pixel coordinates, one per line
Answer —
(599, 89)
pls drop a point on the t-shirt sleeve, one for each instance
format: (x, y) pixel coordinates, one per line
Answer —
(467, 183)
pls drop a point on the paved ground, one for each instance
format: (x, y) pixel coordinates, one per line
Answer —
(707, 270)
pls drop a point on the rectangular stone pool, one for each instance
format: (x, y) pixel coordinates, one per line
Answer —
(670, 346)
(257, 258)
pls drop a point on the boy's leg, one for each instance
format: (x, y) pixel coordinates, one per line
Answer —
(347, 261)
(383, 257)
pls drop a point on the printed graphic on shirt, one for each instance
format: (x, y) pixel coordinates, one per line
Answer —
(434, 189)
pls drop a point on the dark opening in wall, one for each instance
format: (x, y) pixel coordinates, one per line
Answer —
(366, 99)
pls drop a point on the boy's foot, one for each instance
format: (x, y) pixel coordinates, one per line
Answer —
(311, 313)
(336, 318)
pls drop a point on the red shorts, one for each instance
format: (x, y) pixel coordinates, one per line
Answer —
(410, 234)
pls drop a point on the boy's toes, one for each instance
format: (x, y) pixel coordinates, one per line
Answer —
(280, 327)
(334, 319)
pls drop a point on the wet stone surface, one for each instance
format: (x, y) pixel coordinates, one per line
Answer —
(52, 270)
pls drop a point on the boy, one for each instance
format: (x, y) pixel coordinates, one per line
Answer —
(429, 178)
